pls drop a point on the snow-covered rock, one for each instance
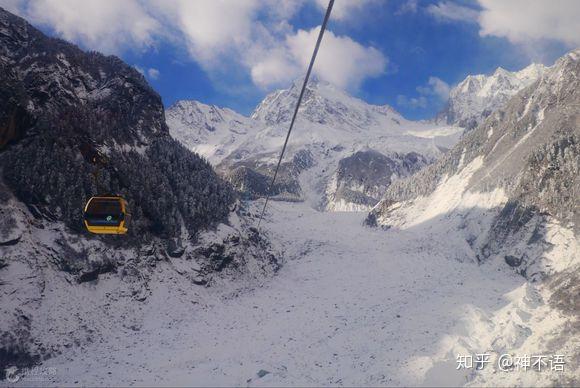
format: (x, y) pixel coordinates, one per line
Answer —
(507, 194)
(362, 178)
(67, 116)
(477, 96)
(324, 103)
(331, 127)
(209, 130)
(509, 187)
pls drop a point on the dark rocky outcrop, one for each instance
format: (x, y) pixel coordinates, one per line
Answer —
(363, 178)
(66, 113)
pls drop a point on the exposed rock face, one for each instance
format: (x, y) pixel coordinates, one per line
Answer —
(524, 161)
(253, 178)
(476, 97)
(362, 178)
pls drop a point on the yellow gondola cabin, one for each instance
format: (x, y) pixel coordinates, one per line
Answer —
(107, 215)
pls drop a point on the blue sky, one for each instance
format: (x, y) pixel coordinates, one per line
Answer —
(404, 53)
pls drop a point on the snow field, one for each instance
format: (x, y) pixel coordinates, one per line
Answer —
(351, 306)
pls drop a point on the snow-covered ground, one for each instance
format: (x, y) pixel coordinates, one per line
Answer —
(350, 306)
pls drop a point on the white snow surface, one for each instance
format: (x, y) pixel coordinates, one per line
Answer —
(351, 306)
(451, 196)
(328, 118)
(211, 131)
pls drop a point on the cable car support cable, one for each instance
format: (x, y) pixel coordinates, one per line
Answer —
(322, 29)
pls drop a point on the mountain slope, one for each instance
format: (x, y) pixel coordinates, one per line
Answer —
(60, 110)
(526, 148)
(211, 131)
(508, 193)
(331, 128)
(477, 96)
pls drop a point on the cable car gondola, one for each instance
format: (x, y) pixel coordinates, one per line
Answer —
(107, 215)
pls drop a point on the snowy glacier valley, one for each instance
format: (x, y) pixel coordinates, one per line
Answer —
(351, 306)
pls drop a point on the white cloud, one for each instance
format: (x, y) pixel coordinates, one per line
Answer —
(435, 87)
(344, 9)
(252, 36)
(409, 6)
(435, 91)
(527, 23)
(283, 9)
(269, 48)
(153, 73)
(211, 28)
(340, 61)
(448, 11)
(523, 20)
(414, 103)
(104, 25)
(440, 87)
(276, 67)
(139, 69)
(14, 6)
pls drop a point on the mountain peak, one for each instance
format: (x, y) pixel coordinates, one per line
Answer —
(195, 105)
(574, 54)
(501, 70)
(570, 57)
(192, 112)
(474, 98)
(323, 103)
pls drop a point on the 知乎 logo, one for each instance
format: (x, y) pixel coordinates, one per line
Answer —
(12, 375)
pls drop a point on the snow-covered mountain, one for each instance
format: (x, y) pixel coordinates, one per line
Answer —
(211, 131)
(66, 114)
(477, 96)
(60, 109)
(326, 104)
(519, 168)
(352, 305)
(508, 191)
(331, 127)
